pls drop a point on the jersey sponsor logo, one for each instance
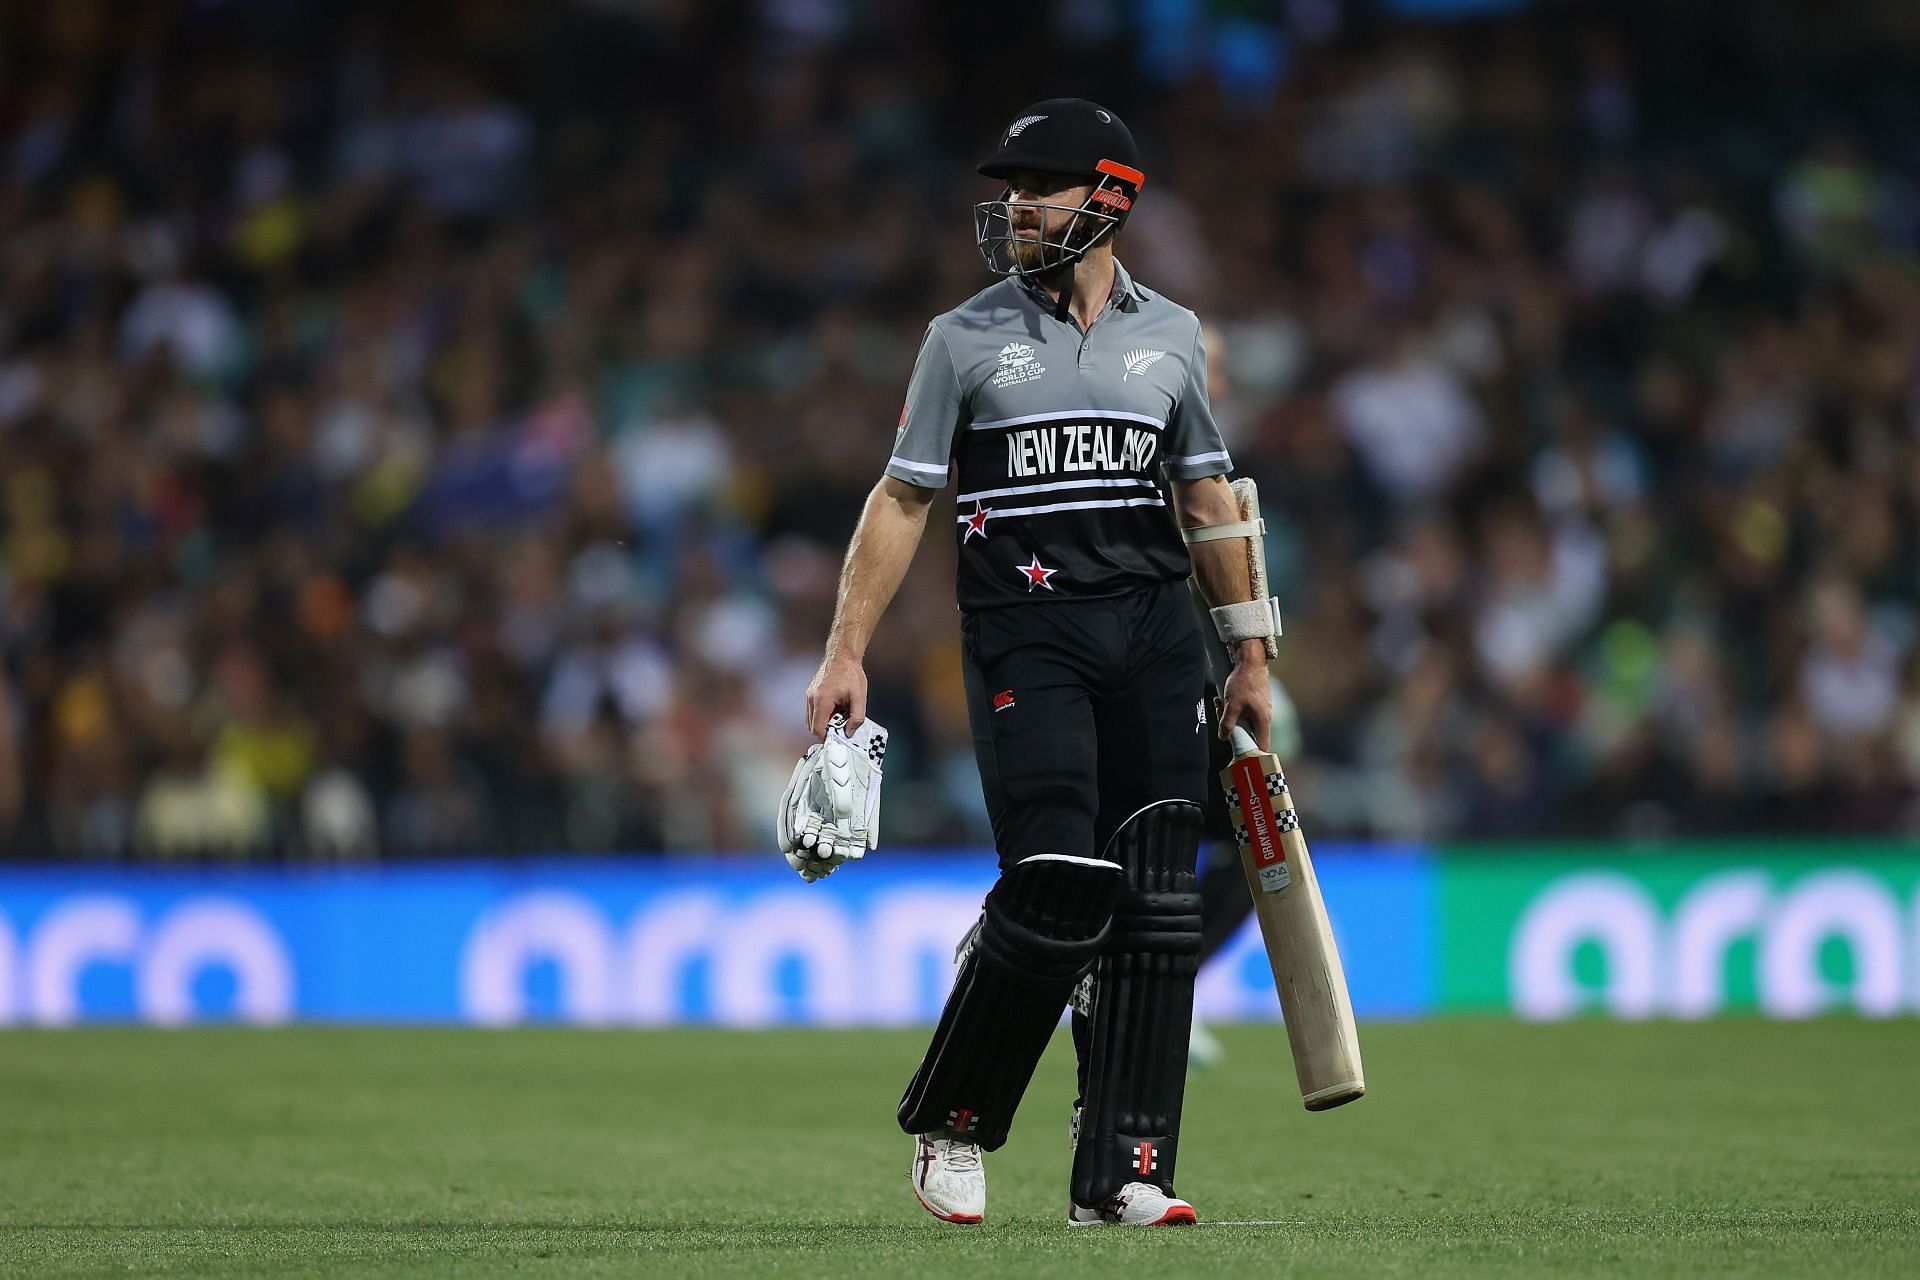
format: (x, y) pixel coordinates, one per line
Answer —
(1139, 361)
(1021, 125)
(1080, 446)
(1002, 700)
(1036, 574)
(901, 433)
(1017, 365)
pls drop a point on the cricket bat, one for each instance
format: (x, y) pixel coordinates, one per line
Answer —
(1293, 920)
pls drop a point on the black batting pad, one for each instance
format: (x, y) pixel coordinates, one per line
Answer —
(1043, 924)
(1136, 1061)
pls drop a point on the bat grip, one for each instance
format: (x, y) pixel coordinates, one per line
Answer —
(1243, 743)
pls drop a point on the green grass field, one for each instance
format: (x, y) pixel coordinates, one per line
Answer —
(1485, 1149)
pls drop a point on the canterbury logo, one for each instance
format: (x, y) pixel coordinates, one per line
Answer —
(1139, 362)
(1019, 126)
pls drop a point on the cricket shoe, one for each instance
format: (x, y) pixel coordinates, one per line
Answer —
(1138, 1204)
(948, 1178)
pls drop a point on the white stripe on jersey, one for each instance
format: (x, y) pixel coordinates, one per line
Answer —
(924, 468)
(1010, 512)
(1218, 455)
(1084, 415)
(1014, 490)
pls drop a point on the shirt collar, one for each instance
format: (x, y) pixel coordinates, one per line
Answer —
(1126, 294)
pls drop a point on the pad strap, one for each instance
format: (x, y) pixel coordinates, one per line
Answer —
(1247, 620)
(1234, 529)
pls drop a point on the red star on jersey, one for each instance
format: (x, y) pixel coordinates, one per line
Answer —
(1036, 574)
(977, 522)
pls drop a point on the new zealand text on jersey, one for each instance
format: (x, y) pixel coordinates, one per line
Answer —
(1084, 446)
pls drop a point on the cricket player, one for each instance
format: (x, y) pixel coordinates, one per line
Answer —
(1068, 403)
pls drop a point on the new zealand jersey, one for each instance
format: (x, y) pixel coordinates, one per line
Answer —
(1062, 440)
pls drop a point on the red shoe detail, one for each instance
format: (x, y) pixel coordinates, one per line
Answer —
(969, 1219)
(1181, 1215)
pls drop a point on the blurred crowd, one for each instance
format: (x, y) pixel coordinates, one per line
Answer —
(435, 428)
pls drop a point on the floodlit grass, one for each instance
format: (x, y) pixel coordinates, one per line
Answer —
(1485, 1149)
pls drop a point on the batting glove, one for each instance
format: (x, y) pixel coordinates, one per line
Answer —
(830, 811)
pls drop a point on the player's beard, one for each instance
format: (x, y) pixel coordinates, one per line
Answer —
(1026, 255)
(1063, 230)
(1041, 253)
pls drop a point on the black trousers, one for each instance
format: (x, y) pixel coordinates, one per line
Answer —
(1082, 713)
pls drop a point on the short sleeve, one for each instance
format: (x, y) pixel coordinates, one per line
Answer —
(923, 446)
(1194, 447)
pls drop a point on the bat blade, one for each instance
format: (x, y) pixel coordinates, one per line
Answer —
(1307, 972)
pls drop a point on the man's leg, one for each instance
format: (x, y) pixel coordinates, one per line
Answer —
(1028, 677)
(1134, 1043)
(1046, 917)
(1136, 1059)
(1044, 923)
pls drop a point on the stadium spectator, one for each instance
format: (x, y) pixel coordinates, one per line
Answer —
(431, 429)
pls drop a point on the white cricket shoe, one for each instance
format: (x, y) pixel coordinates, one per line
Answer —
(1138, 1204)
(948, 1178)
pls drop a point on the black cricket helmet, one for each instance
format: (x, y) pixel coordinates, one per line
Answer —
(1069, 136)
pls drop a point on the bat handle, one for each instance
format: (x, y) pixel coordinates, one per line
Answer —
(1243, 743)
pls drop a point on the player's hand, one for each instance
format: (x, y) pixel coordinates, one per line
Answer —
(1247, 700)
(839, 685)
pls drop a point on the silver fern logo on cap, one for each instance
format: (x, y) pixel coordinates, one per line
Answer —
(1019, 126)
(1139, 361)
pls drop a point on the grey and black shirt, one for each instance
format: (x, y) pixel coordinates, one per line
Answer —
(1063, 440)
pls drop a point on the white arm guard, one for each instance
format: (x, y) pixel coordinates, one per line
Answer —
(1258, 618)
(830, 812)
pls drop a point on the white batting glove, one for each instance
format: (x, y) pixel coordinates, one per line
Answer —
(830, 811)
(801, 826)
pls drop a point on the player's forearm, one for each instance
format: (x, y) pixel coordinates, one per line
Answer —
(883, 545)
(1219, 568)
